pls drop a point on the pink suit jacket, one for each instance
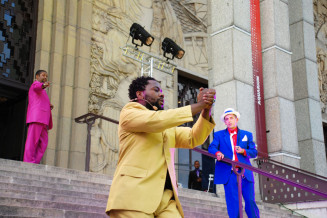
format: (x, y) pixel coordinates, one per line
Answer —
(38, 110)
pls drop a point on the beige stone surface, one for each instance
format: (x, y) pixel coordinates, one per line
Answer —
(62, 158)
(84, 19)
(78, 44)
(54, 75)
(66, 101)
(273, 125)
(59, 9)
(227, 13)
(274, 24)
(70, 40)
(57, 43)
(303, 119)
(77, 160)
(42, 60)
(49, 156)
(52, 134)
(82, 80)
(43, 42)
(306, 85)
(72, 12)
(65, 126)
(301, 10)
(84, 43)
(45, 10)
(222, 61)
(68, 70)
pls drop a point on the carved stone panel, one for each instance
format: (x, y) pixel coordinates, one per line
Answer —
(320, 17)
(112, 72)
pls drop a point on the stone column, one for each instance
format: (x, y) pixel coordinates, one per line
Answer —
(81, 83)
(230, 63)
(48, 53)
(278, 83)
(66, 83)
(63, 49)
(306, 92)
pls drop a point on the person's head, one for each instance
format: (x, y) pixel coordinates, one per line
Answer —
(41, 76)
(196, 164)
(230, 117)
(146, 91)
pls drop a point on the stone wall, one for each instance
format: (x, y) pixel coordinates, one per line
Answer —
(63, 49)
(79, 44)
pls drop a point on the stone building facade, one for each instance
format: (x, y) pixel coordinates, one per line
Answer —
(79, 43)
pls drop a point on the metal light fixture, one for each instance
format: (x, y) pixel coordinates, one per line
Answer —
(139, 33)
(169, 46)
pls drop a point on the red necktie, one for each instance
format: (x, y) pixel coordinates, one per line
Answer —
(234, 137)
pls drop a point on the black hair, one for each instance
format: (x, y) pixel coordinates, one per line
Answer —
(196, 161)
(39, 72)
(138, 84)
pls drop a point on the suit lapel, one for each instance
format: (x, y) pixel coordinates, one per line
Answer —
(227, 140)
(239, 136)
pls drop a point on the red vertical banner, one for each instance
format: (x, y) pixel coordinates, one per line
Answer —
(259, 103)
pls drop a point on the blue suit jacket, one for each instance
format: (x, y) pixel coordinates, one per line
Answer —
(221, 142)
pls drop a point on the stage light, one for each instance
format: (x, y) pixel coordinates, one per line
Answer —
(139, 33)
(169, 46)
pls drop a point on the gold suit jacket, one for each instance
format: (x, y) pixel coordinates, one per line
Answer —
(145, 140)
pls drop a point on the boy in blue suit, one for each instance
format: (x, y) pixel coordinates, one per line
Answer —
(238, 145)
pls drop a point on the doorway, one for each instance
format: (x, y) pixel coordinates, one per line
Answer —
(188, 89)
(17, 51)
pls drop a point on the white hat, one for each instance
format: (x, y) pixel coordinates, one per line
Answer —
(229, 111)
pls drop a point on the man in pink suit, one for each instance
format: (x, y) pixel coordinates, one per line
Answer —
(38, 119)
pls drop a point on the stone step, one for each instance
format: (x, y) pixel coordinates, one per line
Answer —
(52, 197)
(50, 204)
(14, 211)
(22, 211)
(32, 190)
(51, 179)
(219, 204)
(188, 200)
(28, 182)
(203, 205)
(210, 201)
(46, 170)
(219, 208)
(201, 212)
(92, 202)
(189, 214)
(41, 190)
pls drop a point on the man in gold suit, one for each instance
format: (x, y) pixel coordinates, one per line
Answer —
(144, 183)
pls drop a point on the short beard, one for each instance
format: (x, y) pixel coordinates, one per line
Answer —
(156, 104)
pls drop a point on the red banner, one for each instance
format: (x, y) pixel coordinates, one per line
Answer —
(259, 103)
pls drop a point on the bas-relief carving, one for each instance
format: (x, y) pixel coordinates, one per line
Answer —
(111, 20)
(198, 7)
(322, 77)
(111, 72)
(196, 47)
(101, 150)
(320, 16)
(195, 36)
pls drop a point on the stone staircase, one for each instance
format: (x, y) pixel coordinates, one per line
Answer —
(31, 190)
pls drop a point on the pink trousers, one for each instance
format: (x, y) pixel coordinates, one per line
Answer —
(36, 142)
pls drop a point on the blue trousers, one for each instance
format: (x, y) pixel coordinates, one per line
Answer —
(231, 195)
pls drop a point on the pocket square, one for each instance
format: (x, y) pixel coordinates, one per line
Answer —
(245, 138)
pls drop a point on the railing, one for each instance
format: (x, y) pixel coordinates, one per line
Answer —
(89, 119)
(269, 172)
(265, 173)
(273, 191)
